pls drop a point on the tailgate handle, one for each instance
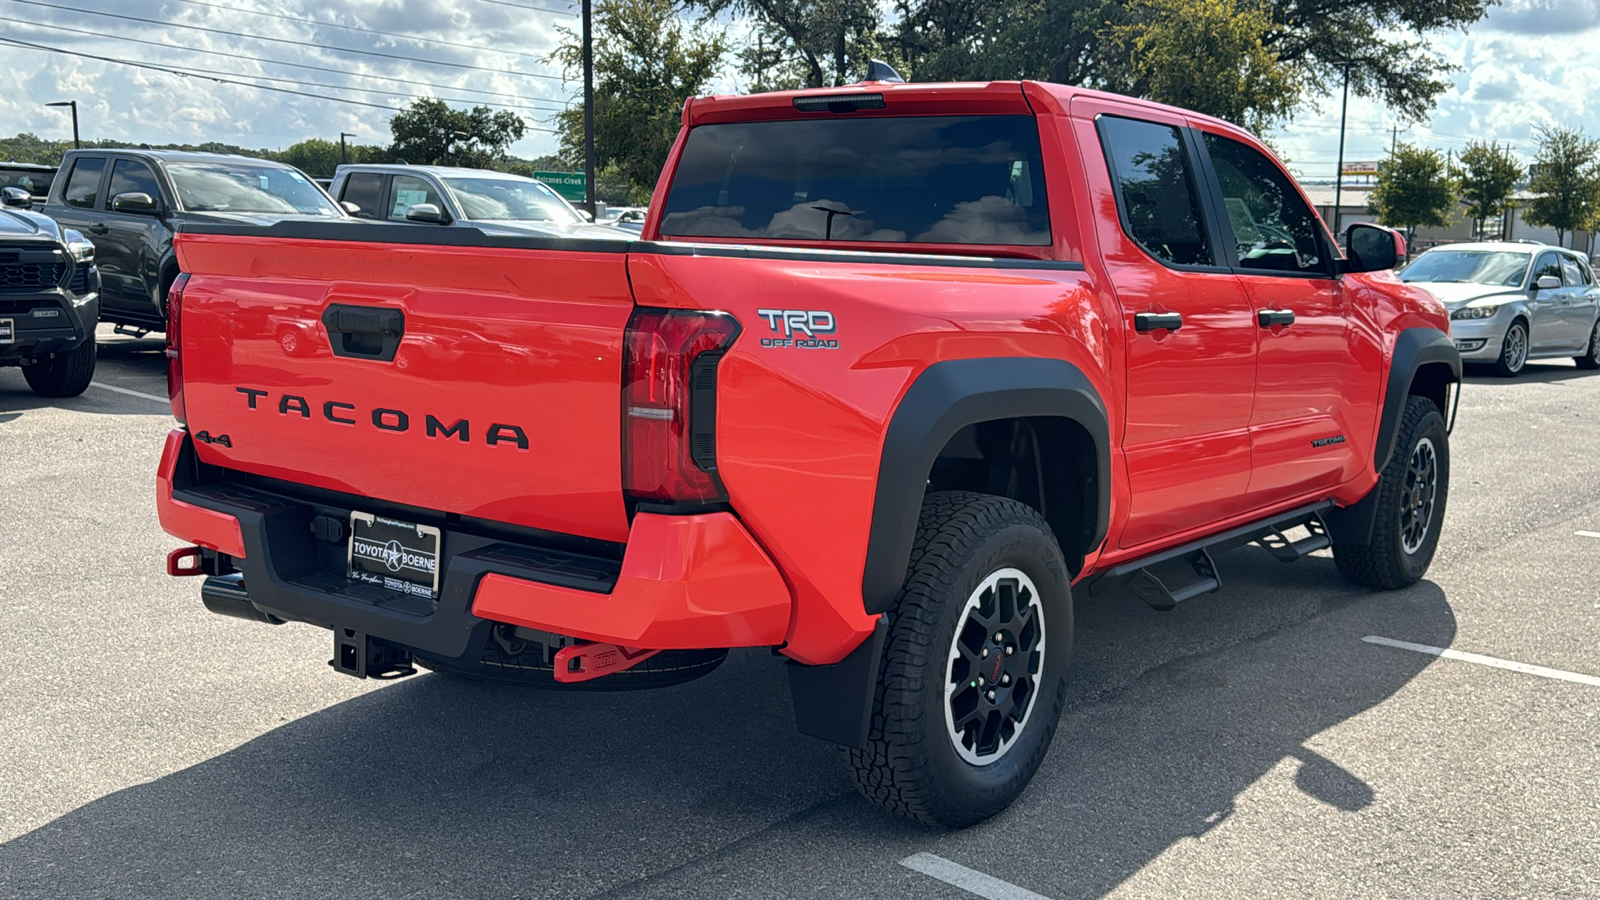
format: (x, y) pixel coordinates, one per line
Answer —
(364, 332)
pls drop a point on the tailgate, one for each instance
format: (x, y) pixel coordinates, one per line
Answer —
(482, 380)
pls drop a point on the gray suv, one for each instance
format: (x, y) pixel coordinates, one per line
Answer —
(130, 202)
(1512, 302)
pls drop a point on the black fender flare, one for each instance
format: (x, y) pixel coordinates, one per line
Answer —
(1413, 349)
(945, 398)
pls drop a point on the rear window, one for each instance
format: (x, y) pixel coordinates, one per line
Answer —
(934, 180)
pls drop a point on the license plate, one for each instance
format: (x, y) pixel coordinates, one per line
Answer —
(8, 331)
(399, 556)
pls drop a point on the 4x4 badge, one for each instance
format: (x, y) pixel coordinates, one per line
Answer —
(205, 437)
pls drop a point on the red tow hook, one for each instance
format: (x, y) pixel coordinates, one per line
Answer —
(184, 561)
(586, 662)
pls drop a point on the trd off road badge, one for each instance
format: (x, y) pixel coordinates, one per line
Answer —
(802, 329)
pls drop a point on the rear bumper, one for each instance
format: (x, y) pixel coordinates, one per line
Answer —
(683, 582)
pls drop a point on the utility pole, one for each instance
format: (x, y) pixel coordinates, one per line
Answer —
(1338, 180)
(588, 108)
(76, 144)
(342, 136)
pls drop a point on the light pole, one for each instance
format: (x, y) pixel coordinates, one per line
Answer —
(342, 136)
(1338, 178)
(76, 144)
(588, 109)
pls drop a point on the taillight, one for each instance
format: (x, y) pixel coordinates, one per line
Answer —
(669, 397)
(174, 342)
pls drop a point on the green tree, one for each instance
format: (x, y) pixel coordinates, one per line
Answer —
(1384, 43)
(1487, 174)
(804, 43)
(429, 132)
(1414, 189)
(1208, 56)
(646, 63)
(1566, 183)
(318, 157)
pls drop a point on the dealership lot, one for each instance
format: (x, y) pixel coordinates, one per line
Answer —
(1250, 743)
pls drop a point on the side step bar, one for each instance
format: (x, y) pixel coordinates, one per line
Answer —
(1190, 570)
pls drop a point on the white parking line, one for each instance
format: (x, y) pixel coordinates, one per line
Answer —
(1593, 534)
(969, 880)
(123, 390)
(1491, 661)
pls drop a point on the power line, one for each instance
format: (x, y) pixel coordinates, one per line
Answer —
(206, 73)
(408, 37)
(260, 59)
(216, 78)
(293, 43)
(567, 12)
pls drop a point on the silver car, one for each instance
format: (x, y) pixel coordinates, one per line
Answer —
(1511, 302)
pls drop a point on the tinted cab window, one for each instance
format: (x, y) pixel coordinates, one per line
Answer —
(927, 179)
(130, 176)
(365, 190)
(1273, 228)
(83, 185)
(1156, 190)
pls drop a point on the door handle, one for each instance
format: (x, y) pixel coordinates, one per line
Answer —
(1147, 321)
(1268, 318)
(98, 228)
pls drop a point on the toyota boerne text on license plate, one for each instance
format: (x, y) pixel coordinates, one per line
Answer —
(8, 331)
(399, 556)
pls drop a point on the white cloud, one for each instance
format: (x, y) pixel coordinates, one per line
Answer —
(142, 105)
(1520, 68)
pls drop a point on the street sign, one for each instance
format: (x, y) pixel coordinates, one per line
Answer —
(568, 184)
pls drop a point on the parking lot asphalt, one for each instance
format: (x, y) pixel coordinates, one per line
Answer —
(1249, 743)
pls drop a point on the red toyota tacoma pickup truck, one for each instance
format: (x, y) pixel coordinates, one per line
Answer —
(891, 370)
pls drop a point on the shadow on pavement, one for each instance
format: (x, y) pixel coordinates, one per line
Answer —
(433, 787)
(1552, 371)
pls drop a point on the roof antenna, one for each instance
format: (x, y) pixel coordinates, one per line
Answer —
(878, 70)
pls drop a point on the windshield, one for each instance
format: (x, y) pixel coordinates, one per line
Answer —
(510, 200)
(925, 179)
(242, 187)
(1502, 268)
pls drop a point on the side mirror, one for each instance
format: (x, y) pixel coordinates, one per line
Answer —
(349, 207)
(585, 215)
(1371, 248)
(427, 212)
(1546, 282)
(17, 198)
(135, 202)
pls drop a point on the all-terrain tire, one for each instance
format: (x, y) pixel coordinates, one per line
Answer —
(505, 660)
(912, 765)
(1591, 355)
(65, 374)
(1401, 550)
(1514, 348)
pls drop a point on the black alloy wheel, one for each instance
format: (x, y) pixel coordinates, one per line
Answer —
(1410, 497)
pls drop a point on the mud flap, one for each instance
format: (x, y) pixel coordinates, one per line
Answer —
(835, 702)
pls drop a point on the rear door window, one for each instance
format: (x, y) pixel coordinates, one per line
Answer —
(83, 186)
(364, 189)
(1156, 190)
(929, 180)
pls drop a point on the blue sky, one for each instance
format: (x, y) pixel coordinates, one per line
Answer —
(1530, 62)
